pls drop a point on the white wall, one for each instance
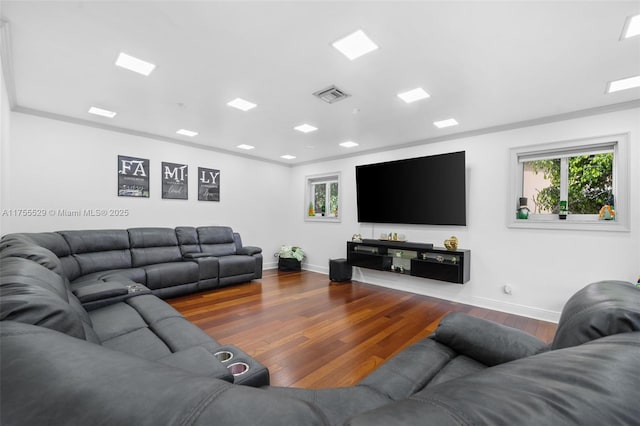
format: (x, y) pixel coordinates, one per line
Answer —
(543, 267)
(4, 140)
(58, 165)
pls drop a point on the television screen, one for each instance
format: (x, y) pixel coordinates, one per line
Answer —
(426, 190)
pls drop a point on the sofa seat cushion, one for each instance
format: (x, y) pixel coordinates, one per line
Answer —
(146, 326)
(236, 265)
(170, 274)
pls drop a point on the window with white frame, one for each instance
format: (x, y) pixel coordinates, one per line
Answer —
(574, 185)
(322, 198)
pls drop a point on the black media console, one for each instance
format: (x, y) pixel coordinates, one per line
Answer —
(417, 259)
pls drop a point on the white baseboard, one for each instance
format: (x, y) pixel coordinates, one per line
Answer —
(481, 302)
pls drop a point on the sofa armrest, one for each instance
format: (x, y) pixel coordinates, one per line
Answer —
(249, 250)
(486, 341)
(100, 290)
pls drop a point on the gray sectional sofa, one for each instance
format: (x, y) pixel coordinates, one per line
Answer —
(135, 360)
(169, 262)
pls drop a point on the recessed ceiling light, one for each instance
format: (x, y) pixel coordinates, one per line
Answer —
(186, 132)
(102, 112)
(355, 45)
(245, 146)
(288, 157)
(349, 144)
(413, 95)
(445, 123)
(631, 27)
(134, 64)
(305, 128)
(242, 104)
(623, 84)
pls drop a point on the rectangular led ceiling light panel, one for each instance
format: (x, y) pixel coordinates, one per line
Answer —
(241, 104)
(305, 128)
(134, 64)
(355, 45)
(445, 123)
(101, 112)
(624, 84)
(185, 132)
(349, 144)
(631, 27)
(413, 95)
(245, 146)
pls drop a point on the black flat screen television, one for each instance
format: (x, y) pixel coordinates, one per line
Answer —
(425, 190)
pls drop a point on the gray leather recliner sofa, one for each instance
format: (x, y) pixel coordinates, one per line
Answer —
(169, 262)
(63, 365)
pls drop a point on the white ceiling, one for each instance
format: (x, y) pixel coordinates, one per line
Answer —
(487, 64)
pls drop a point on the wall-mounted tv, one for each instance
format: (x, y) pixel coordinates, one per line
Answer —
(425, 190)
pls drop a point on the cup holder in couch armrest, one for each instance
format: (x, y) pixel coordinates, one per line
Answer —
(244, 369)
(223, 356)
(137, 289)
(238, 368)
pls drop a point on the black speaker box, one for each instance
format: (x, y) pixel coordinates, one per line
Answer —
(339, 270)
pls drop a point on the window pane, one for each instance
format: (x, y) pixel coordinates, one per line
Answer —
(541, 185)
(333, 198)
(590, 182)
(319, 196)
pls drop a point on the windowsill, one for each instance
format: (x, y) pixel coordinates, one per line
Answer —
(322, 219)
(568, 224)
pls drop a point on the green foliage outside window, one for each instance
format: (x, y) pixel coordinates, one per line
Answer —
(320, 197)
(590, 183)
(333, 189)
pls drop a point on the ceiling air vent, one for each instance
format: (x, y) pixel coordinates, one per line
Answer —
(331, 94)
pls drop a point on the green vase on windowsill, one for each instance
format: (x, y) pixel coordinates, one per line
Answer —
(563, 210)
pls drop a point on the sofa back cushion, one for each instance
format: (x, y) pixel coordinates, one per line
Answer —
(187, 239)
(153, 245)
(33, 294)
(216, 240)
(99, 250)
(600, 309)
(35, 253)
(52, 241)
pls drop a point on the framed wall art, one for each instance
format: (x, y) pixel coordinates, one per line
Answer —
(175, 182)
(133, 177)
(208, 184)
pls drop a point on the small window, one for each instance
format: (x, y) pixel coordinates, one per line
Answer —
(322, 201)
(572, 185)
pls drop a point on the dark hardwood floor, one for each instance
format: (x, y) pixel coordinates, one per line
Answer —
(315, 334)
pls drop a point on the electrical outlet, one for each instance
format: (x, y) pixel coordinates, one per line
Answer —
(507, 289)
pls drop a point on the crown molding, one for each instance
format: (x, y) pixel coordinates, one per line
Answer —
(112, 128)
(621, 106)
